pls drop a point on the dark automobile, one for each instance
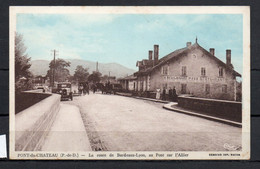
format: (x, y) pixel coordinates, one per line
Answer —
(116, 88)
(64, 89)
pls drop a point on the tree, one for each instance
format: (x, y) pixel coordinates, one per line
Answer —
(95, 77)
(81, 74)
(22, 65)
(61, 72)
(105, 78)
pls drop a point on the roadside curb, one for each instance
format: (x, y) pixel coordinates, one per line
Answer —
(229, 122)
(142, 98)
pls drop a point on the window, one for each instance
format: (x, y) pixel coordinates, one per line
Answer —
(224, 89)
(183, 88)
(165, 70)
(183, 71)
(203, 71)
(220, 72)
(207, 89)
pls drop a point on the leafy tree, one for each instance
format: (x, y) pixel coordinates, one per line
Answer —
(81, 74)
(60, 68)
(95, 77)
(105, 78)
(22, 64)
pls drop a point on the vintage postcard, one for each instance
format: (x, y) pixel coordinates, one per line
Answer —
(130, 83)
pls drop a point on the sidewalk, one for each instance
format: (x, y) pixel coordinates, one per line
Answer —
(68, 132)
(173, 106)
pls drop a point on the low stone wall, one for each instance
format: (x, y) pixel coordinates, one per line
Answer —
(150, 94)
(229, 110)
(26, 99)
(34, 123)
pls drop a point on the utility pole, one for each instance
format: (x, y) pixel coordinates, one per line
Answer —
(55, 52)
(97, 67)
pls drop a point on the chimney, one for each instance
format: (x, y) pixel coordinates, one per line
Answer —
(188, 44)
(212, 51)
(150, 56)
(156, 54)
(228, 57)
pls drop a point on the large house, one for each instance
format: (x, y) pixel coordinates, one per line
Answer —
(191, 70)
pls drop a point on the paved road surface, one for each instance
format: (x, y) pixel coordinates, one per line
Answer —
(68, 132)
(118, 123)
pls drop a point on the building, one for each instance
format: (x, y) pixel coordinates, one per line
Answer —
(39, 80)
(191, 70)
(128, 83)
(105, 79)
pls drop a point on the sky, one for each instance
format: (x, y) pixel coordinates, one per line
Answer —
(126, 38)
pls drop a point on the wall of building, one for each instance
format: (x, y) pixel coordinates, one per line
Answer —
(195, 83)
(131, 85)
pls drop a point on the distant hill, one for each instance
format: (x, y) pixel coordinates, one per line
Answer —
(40, 67)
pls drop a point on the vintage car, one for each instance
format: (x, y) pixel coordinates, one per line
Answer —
(112, 88)
(65, 90)
(116, 88)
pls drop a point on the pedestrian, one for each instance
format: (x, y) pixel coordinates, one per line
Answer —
(94, 88)
(174, 94)
(158, 92)
(80, 89)
(170, 94)
(164, 94)
(84, 89)
(87, 88)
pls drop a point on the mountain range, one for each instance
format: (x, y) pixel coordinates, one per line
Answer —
(40, 67)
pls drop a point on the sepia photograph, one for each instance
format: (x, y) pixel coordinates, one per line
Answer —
(130, 83)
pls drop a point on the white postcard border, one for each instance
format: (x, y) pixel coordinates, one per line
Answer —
(172, 155)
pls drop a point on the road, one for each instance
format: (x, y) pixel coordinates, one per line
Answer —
(118, 123)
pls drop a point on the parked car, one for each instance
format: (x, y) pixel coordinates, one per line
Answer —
(43, 88)
(65, 90)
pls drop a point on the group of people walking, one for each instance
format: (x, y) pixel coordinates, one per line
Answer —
(83, 89)
(172, 94)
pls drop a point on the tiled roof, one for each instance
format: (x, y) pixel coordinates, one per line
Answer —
(130, 77)
(180, 52)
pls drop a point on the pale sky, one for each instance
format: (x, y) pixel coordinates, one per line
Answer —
(126, 38)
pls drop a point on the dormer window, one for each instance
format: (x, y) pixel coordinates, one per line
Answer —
(220, 72)
(203, 71)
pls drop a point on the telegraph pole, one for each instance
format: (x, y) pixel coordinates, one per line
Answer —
(54, 67)
(97, 67)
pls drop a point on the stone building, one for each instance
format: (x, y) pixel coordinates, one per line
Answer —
(128, 83)
(191, 70)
